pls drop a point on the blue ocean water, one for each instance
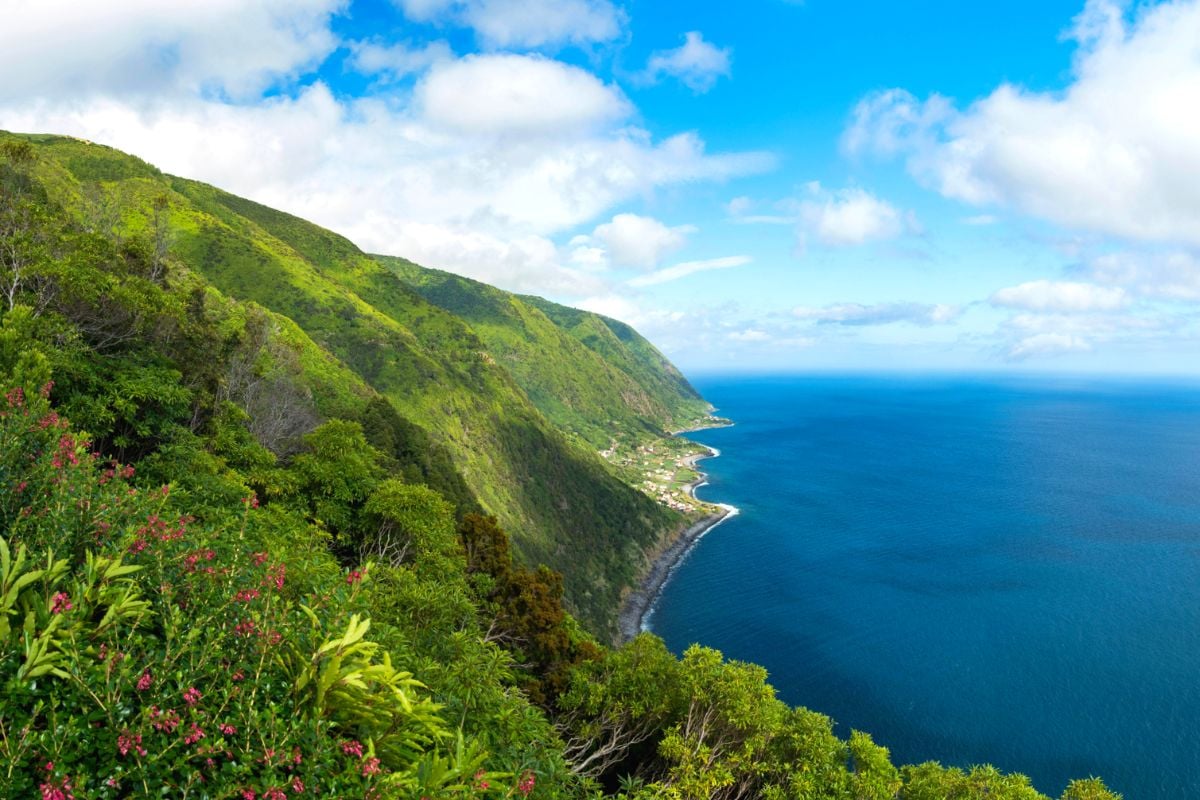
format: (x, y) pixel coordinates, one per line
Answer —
(972, 570)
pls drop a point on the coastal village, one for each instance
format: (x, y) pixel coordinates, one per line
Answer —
(665, 469)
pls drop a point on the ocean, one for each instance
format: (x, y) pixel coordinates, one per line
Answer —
(973, 570)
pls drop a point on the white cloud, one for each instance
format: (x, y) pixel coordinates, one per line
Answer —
(696, 63)
(678, 271)
(1061, 296)
(650, 322)
(739, 206)
(1047, 344)
(529, 264)
(524, 23)
(750, 335)
(395, 61)
(880, 314)
(739, 210)
(850, 217)
(636, 241)
(1116, 152)
(1166, 276)
(66, 49)
(502, 151)
(517, 95)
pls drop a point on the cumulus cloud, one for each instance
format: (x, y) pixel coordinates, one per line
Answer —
(1074, 322)
(745, 210)
(678, 271)
(1116, 152)
(849, 217)
(529, 264)
(880, 314)
(395, 61)
(696, 63)
(524, 23)
(1172, 275)
(1044, 344)
(631, 240)
(502, 151)
(1063, 296)
(516, 94)
(72, 49)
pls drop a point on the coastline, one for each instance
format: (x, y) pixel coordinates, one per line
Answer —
(640, 601)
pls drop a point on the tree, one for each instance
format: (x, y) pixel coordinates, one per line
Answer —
(719, 747)
(336, 473)
(406, 522)
(163, 236)
(618, 702)
(23, 220)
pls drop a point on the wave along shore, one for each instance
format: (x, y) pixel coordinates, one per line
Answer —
(639, 603)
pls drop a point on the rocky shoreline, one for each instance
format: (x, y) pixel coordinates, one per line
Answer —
(640, 600)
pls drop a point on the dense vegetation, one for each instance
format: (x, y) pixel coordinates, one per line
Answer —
(237, 559)
(352, 340)
(590, 375)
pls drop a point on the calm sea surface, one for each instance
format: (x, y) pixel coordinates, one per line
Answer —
(972, 570)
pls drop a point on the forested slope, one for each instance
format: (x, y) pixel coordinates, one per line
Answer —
(595, 387)
(563, 504)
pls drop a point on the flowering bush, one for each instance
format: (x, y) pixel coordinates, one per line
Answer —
(142, 652)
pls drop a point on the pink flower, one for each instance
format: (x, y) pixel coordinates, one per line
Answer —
(192, 695)
(56, 791)
(352, 748)
(370, 767)
(297, 786)
(194, 735)
(228, 730)
(130, 741)
(246, 595)
(354, 577)
(164, 721)
(274, 794)
(61, 603)
(248, 794)
(276, 575)
(525, 786)
(145, 681)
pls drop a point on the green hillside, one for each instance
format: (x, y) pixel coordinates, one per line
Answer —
(628, 351)
(596, 386)
(566, 508)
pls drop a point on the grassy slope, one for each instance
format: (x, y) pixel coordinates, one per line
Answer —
(628, 351)
(562, 504)
(590, 392)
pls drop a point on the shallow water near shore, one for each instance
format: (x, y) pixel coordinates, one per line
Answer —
(971, 569)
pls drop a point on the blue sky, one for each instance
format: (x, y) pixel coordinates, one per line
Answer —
(781, 186)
